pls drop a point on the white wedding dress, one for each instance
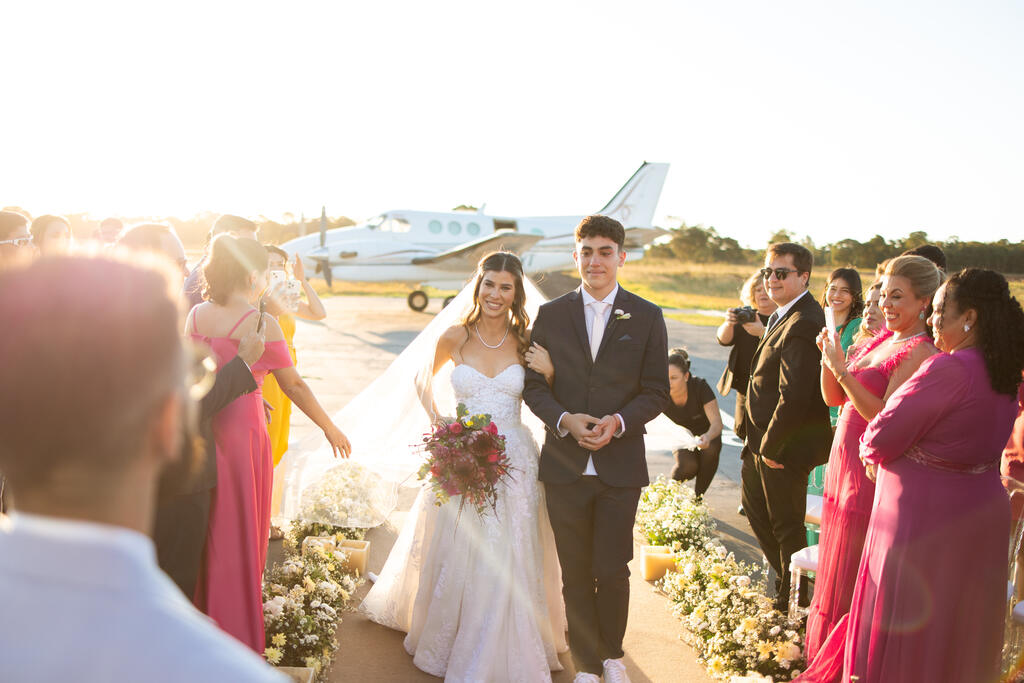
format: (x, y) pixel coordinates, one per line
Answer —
(479, 596)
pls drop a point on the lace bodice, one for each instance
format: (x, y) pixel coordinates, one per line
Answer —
(500, 396)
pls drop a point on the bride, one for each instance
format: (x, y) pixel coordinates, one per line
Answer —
(479, 594)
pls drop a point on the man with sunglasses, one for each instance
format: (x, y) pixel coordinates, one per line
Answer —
(15, 240)
(788, 431)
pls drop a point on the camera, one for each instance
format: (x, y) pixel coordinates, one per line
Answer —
(744, 314)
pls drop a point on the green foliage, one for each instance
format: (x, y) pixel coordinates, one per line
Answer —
(697, 244)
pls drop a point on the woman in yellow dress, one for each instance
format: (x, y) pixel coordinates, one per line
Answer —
(282, 305)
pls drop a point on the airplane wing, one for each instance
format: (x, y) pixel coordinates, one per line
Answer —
(638, 238)
(466, 256)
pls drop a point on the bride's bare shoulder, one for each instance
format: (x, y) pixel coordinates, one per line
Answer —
(454, 336)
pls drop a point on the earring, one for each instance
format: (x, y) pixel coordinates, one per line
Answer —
(921, 315)
(967, 328)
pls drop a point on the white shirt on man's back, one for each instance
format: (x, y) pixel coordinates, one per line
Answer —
(87, 602)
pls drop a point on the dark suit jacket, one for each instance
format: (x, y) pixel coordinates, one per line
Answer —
(630, 377)
(788, 420)
(187, 475)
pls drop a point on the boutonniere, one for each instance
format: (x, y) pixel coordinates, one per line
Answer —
(620, 315)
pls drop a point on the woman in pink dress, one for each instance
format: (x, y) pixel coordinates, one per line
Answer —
(860, 384)
(931, 589)
(230, 585)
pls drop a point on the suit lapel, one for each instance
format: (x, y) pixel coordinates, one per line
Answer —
(621, 297)
(579, 322)
(778, 324)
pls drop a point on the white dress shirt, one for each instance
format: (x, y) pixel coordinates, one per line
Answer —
(783, 310)
(588, 316)
(87, 602)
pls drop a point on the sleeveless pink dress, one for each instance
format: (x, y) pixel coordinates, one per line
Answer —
(846, 511)
(930, 597)
(230, 585)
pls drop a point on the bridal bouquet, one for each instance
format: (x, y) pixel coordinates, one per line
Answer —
(465, 458)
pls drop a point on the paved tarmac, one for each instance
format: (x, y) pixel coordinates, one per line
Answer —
(341, 355)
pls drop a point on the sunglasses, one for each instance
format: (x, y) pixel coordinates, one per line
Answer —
(780, 273)
(18, 241)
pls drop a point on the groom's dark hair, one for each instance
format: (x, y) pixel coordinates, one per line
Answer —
(597, 225)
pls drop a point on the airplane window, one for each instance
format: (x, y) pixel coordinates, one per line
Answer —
(473, 229)
(375, 222)
(455, 227)
(435, 227)
(399, 225)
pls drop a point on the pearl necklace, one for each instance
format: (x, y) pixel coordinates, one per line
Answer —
(496, 346)
(906, 339)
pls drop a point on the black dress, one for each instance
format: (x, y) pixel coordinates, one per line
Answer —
(698, 463)
(737, 374)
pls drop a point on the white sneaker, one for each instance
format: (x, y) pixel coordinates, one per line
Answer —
(584, 677)
(615, 671)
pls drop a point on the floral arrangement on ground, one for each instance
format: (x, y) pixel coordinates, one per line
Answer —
(723, 605)
(302, 598)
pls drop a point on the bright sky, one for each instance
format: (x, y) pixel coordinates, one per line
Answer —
(824, 118)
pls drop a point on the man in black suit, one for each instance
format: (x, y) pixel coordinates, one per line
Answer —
(186, 486)
(788, 431)
(609, 349)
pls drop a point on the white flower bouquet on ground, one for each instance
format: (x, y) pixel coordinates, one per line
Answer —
(669, 514)
(302, 598)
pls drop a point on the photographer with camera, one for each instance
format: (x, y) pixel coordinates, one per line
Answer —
(742, 330)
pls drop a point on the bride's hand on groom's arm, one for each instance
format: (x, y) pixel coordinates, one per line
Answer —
(539, 360)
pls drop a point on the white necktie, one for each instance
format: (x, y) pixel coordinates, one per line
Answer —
(597, 329)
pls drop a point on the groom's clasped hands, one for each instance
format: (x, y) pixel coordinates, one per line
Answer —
(590, 432)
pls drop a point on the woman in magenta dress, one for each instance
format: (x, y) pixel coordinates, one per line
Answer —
(860, 385)
(931, 590)
(230, 586)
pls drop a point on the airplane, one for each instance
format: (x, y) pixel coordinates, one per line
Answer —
(442, 249)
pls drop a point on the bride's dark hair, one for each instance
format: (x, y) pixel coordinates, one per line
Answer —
(503, 262)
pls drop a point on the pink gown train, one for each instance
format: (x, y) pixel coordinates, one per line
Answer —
(230, 585)
(931, 589)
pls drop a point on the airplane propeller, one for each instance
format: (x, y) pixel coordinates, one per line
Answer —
(323, 262)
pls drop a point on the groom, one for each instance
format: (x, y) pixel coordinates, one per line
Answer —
(609, 349)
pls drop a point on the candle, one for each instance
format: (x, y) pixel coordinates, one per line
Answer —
(358, 552)
(656, 561)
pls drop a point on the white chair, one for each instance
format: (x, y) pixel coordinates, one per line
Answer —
(813, 514)
(1013, 641)
(801, 562)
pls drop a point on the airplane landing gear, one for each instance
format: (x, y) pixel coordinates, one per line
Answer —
(418, 300)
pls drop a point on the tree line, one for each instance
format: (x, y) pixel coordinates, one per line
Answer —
(691, 243)
(705, 245)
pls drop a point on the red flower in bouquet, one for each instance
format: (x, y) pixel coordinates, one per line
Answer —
(465, 458)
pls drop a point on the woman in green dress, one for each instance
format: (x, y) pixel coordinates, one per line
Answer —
(843, 294)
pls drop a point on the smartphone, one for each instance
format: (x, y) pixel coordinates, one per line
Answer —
(830, 320)
(277, 277)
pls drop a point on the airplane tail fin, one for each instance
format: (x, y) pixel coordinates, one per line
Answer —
(634, 204)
